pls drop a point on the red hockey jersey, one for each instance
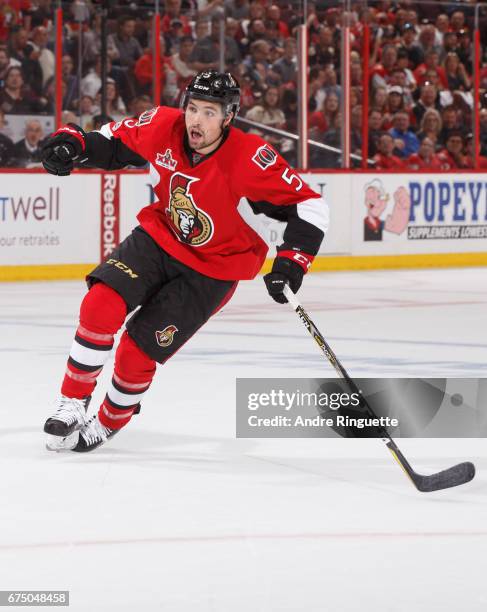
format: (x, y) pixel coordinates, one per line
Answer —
(205, 215)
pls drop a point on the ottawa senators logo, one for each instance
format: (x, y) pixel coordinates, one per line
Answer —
(264, 157)
(190, 224)
(166, 336)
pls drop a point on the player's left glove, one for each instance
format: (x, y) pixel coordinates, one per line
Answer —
(62, 148)
(288, 268)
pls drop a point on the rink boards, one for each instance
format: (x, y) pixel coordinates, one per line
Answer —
(57, 228)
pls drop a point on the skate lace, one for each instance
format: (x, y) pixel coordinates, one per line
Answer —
(94, 431)
(70, 410)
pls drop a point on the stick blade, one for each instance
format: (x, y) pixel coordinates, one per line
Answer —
(452, 477)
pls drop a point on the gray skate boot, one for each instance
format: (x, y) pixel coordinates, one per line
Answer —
(63, 425)
(92, 435)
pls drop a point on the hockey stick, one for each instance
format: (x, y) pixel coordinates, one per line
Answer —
(452, 477)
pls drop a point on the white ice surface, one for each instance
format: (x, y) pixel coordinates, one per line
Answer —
(175, 514)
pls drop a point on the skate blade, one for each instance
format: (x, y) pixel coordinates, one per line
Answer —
(59, 444)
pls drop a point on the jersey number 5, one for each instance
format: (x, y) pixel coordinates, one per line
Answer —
(289, 178)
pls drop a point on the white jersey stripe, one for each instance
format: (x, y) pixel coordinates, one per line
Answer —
(123, 399)
(316, 212)
(88, 356)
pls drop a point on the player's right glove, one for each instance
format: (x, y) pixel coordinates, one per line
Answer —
(288, 268)
(62, 149)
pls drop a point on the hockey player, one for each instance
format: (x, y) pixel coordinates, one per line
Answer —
(212, 184)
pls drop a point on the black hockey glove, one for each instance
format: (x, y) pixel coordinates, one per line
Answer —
(62, 148)
(284, 272)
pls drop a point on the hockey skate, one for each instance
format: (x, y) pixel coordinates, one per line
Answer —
(92, 435)
(63, 426)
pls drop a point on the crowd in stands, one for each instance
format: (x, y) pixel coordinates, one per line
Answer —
(420, 89)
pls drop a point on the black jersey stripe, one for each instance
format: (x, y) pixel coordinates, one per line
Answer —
(92, 345)
(83, 366)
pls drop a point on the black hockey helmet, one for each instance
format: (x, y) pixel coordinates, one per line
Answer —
(214, 86)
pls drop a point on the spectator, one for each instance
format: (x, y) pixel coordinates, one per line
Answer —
(100, 120)
(399, 80)
(174, 35)
(464, 50)
(274, 37)
(87, 109)
(324, 50)
(469, 152)
(430, 126)
(15, 98)
(375, 131)
(6, 145)
(427, 40)
(144, 74)
(115, 106)
(328, 118)
(450, 44)
(247, 95)
(206, 52)
(330, 86)
(356, 74)
(6, 62)
(42, 54)
(316, 88)
(42, 13)
(269, 112)
(257, 31)
(455, 73)
(457, 21)
(233, 30)
(425, 158)
(70, 81)
(431, 62)
(428, 99)
(257, 64)
(403, 65)
(27, 151)
(181, 62)
(91, 83)
(256, 11)
(237, 9)
(92, 42)
(381, 73)
(452, 156)
(139, 105)
(5, 129)
(385, 159)
(274, 15)
(442, 24)
(405, 142)
(450, 125)
(127, 46)
(22, 49)
(483, 131)
(356, 130)
(201, 29)
(379, 100)
(209, 8)
(173, 11)
(286, 66)
(68, 117)
(395, 99)
(409, 42)
(289, 105)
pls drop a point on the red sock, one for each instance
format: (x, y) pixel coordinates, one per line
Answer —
(102, 313)
(132, 377)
